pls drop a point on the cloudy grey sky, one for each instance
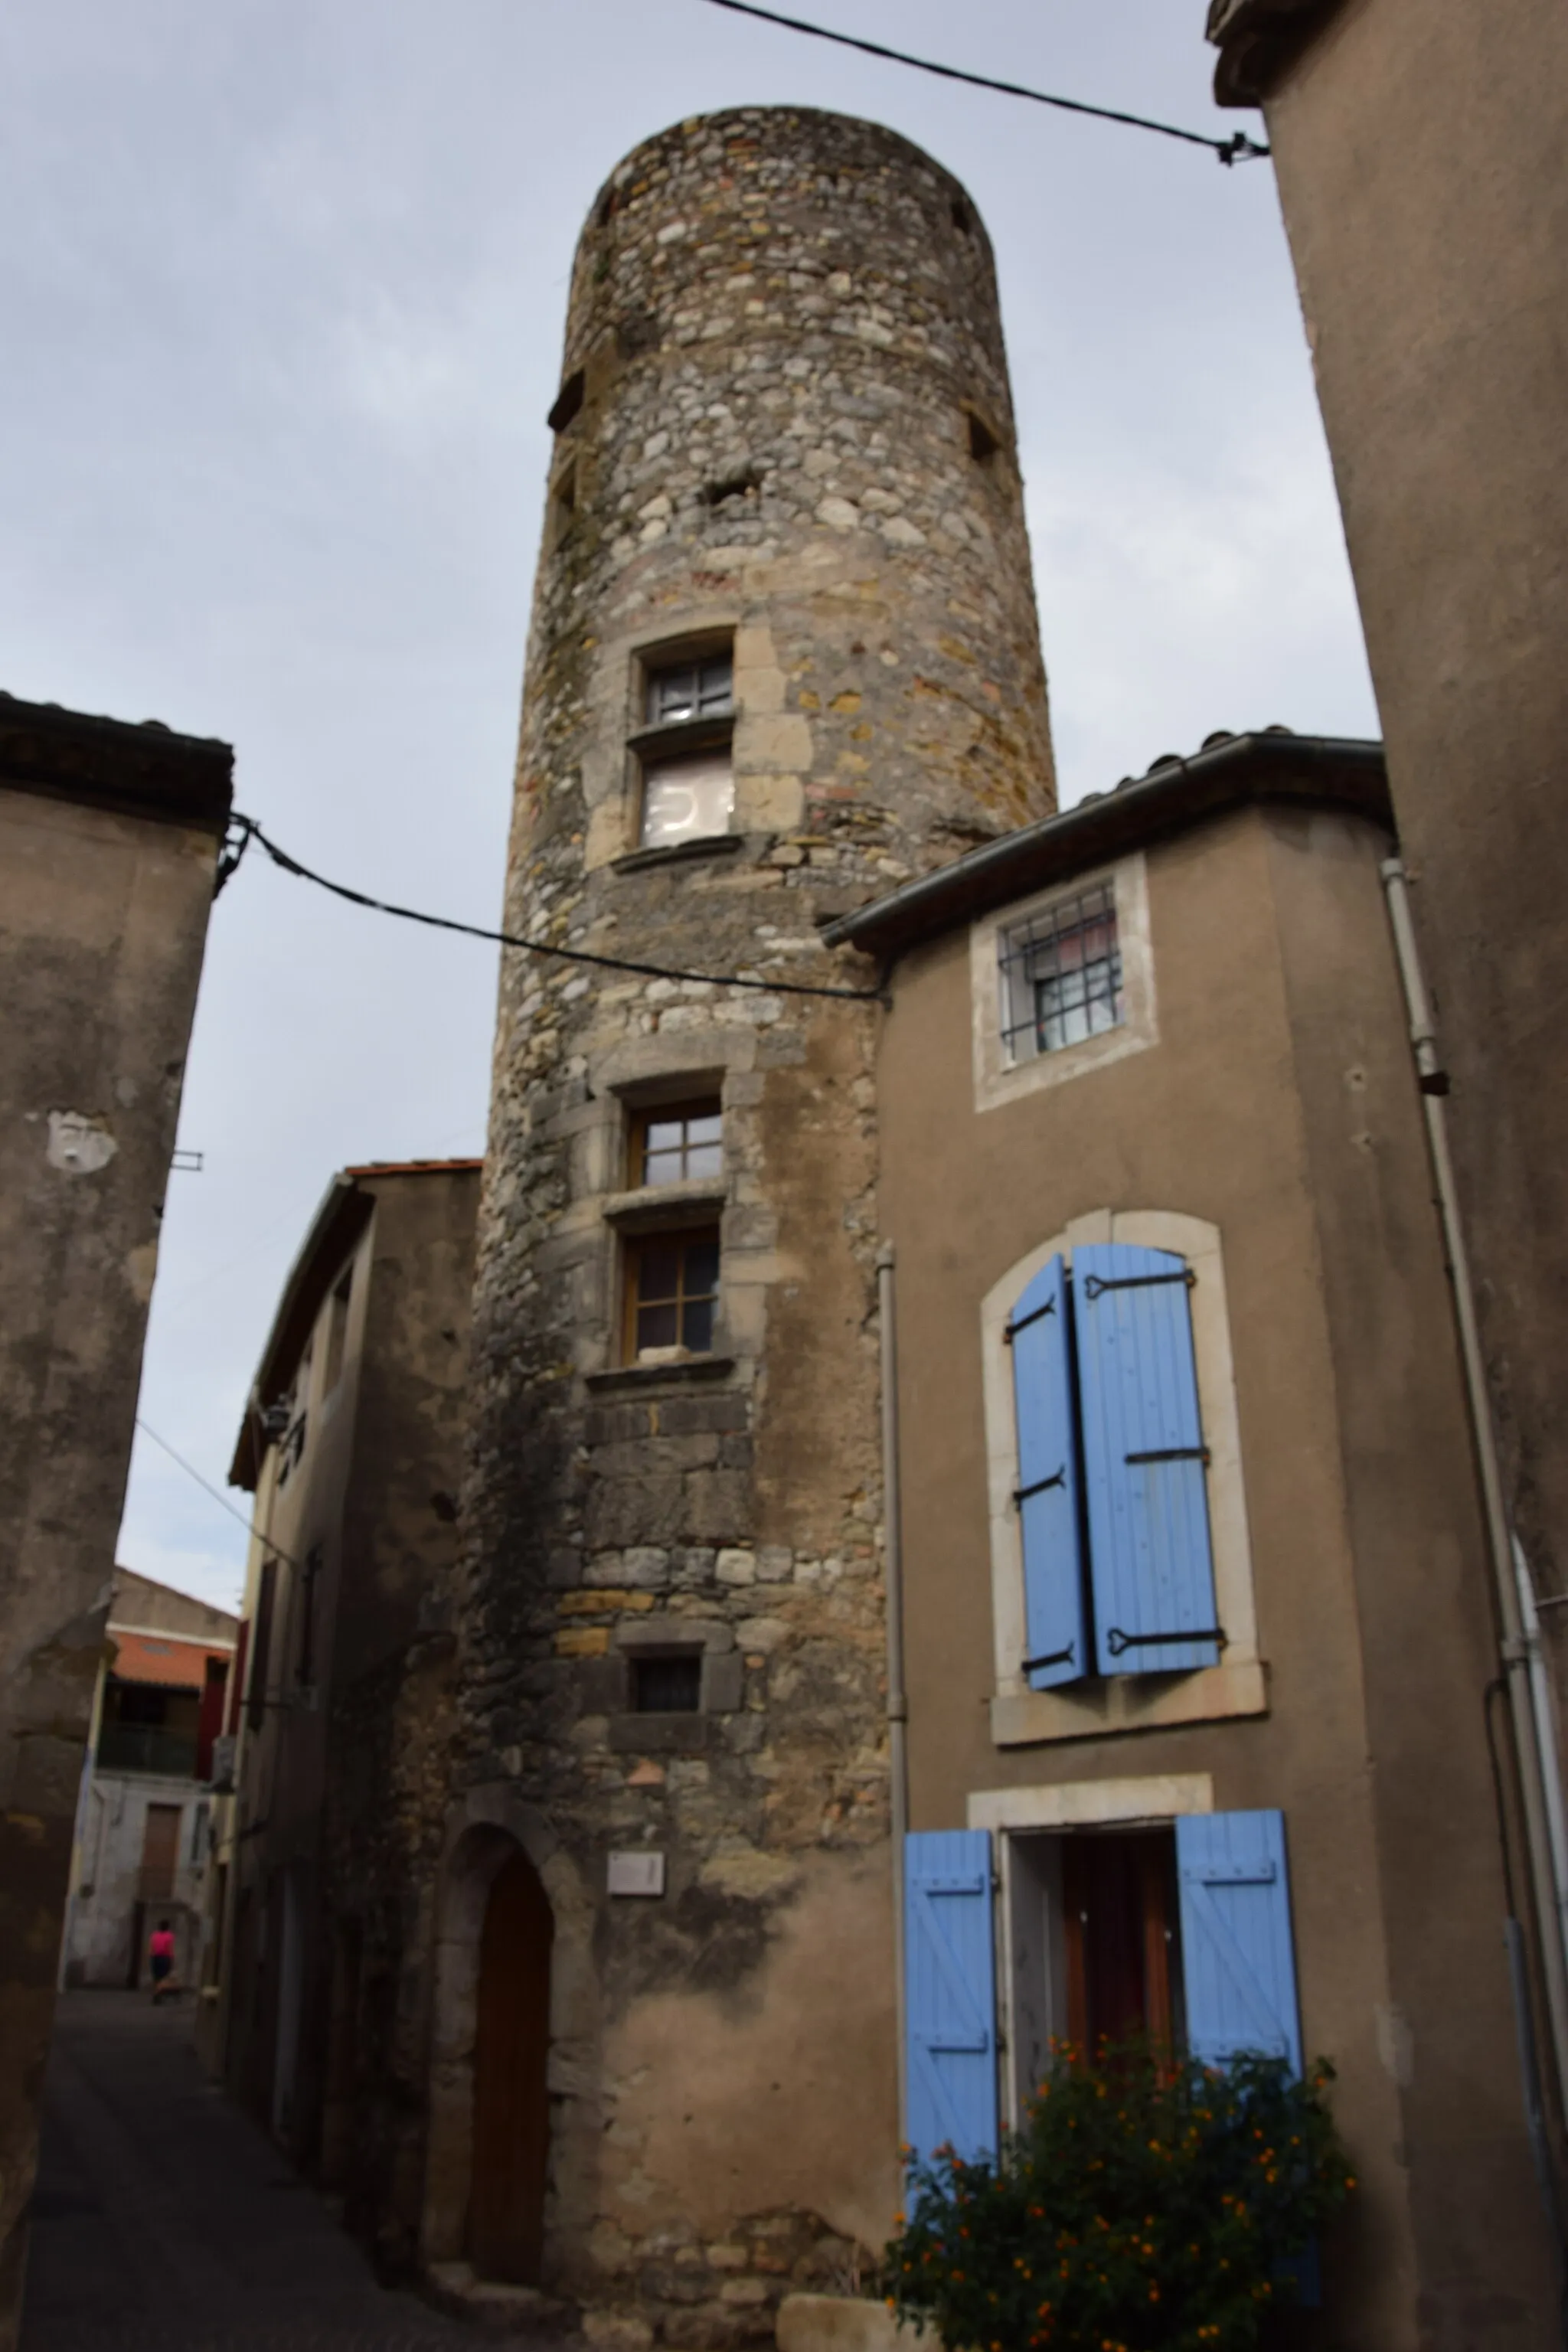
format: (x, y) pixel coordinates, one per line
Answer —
(283, 283)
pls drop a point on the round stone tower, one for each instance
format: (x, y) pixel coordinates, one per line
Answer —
(784, 656)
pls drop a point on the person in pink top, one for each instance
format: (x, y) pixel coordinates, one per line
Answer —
(161, 1958)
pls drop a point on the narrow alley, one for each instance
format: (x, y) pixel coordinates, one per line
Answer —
(165, 2221)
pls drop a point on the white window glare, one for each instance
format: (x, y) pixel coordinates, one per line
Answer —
(696, 689)
(686, 799)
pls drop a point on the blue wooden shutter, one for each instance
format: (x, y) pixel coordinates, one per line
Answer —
(1238, 1964)
(950, 1992)
(1144, 1456)
(1056, 1631)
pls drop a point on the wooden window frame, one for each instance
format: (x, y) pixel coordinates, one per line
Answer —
(654, 741)
(650, 1114)
(636, 1247)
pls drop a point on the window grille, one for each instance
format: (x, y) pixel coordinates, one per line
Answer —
(667, 1685)
(693, 689)
(1061, 975)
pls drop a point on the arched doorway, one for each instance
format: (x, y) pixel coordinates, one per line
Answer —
(511, 2049)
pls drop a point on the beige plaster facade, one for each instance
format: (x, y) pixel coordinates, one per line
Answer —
(108, 844)
(1419, 156)
(1271, 1136)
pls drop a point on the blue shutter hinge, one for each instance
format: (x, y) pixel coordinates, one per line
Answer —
(1022, 1494)
(1094, 1283)
(1116, 1641)
(1011, 1330)
(1173, 1454)
(1054, 1658)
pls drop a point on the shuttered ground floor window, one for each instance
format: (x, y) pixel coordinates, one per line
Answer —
(1181, 1932)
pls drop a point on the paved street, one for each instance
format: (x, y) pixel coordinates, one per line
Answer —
(166, 2222)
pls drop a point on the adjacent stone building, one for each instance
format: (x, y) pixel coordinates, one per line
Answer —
(316, 1991)
(108, 844)
(783, 655)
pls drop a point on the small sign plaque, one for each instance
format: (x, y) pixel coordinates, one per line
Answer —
(636, 1874)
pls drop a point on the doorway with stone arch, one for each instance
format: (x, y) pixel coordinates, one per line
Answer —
(510, 2147)
(499, 1946)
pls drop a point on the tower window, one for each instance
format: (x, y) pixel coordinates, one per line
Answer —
(568, 400)
(1061, 975)
(672, 1292)
(685, 749)
(671, 1685)
(677, 1143)
(562, 503)
(696, 689)
(983, 442)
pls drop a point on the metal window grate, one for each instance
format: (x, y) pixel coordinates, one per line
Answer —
(694, 689)
(1061, 975)
(667, 1685)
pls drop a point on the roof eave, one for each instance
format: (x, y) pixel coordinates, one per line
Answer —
(1327, 770)
(337, 1223)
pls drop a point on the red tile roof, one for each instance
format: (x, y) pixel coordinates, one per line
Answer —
(408, 1167)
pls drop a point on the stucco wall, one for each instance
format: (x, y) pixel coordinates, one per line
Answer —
(103, 916)
(1279, 1104)
(1419, 154)
(101, 1949)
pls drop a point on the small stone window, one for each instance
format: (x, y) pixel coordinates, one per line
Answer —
(667, 1684)
(984, 441)
(568, 400)
(1061, 975)
(684, 748)
(672, 1295)
(677, 1143)
(563, 506)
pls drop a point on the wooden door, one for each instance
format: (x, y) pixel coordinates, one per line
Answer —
(511, 2048)
(1117, 1894)
(160, 1852)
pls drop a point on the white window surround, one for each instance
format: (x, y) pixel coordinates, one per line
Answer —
(1069, 1805)
(1238, 1684)
(997, 1080)
(1091, 1804)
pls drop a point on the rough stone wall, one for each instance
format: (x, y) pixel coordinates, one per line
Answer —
(792, 432)
(109, 838)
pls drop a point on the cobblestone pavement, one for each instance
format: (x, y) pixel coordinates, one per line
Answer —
(165, 2221)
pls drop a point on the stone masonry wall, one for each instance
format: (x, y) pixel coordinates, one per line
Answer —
(784, 426)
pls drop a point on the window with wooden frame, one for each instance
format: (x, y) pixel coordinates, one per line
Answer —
(671, 1293)
(684, 746)
(677, 1143)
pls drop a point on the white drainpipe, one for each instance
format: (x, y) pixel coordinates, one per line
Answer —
(898, 1705)
(1540, 1785)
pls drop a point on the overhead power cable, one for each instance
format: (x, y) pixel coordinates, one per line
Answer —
(208, 1488)
(1237, 149)
(221, 1500)
(244, 830)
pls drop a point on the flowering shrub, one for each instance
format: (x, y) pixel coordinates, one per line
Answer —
(1149, 2206)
